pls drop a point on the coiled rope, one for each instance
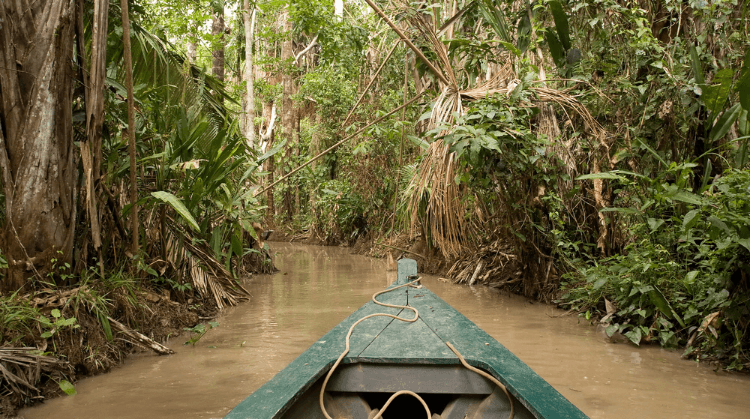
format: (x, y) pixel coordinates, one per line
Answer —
(398, 393)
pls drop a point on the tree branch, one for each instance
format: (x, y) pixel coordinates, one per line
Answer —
(304, 51)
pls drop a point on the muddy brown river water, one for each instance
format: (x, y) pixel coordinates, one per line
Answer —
(317, 287)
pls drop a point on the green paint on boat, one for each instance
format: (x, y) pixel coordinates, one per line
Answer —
(391, 345)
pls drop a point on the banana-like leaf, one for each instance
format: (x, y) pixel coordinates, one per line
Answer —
(722, 126)
(561, 23)
(178, 206)
(715, 95)
(695, 63)
(661, 303)
(555, 48)
(524, 33)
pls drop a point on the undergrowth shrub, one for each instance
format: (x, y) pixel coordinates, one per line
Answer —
(683, 280)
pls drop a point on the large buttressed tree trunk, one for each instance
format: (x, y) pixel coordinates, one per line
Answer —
(36, 134)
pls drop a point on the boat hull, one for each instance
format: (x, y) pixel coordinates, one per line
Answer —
(387, 355)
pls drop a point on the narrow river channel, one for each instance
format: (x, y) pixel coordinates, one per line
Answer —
(317, 287)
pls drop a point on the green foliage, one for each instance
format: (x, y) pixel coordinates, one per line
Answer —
(67, 387)
(687, 265)
(57, 323)
(17, 317)
(198, 331)
(341, 210)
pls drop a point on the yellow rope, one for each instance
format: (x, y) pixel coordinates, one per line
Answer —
(346, 351)
(398, 393)
(485, 375)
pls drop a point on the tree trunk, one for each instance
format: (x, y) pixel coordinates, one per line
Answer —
(192, 51)
(249, 17)
(91, 148)
(287, 106)
(135, 225)
(217, 30)
(36, 136)
(268, 115)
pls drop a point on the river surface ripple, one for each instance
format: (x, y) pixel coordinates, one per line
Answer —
(317, 287)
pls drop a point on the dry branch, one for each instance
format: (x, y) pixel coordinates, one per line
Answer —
(140, 339)
(372, 82)
(329, 149)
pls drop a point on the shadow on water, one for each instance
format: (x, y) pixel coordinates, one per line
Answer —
(317, 287)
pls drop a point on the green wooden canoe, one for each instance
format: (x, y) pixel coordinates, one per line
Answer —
(387, 355)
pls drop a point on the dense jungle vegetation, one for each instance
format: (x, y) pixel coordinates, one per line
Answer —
(589, 153)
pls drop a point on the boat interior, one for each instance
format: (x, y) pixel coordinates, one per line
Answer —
(359, 390)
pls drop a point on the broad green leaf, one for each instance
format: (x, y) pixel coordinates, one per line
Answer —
(512, 48)
(661, 303)
(178, 206)
(524, 33)
(743, 123)
(715, 95)
(555, 48)
(743, 85)
(691, 218)
(611, 329)
(600, 283)
(722, 126)
(690, 277)
(67, 387)
(494, 15)
(424, 145)
(623, 210)
(561, 23)
(687, 197)
(275, 149)
(236, 245)
(654, 223)
(744, 243)
(634, 335)
(602, 175)
(105, 326)
(721, 225)
(695, 63)
(56, 313)
(652, 151)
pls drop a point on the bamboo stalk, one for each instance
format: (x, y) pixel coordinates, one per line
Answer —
(329, 149)
(401, 149)
(372, 82)
(408, 42)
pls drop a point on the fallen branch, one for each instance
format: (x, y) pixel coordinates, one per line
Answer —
(21, 368)
(403, 250)
(139, 338)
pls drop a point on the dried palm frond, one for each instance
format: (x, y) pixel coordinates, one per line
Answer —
(21, 369)
(444, 208)
(434, 198)
(209, 277)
